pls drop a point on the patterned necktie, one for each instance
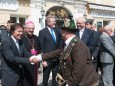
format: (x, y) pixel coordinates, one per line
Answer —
(52, 33)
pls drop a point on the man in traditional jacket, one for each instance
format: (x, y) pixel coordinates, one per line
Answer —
(75, 60)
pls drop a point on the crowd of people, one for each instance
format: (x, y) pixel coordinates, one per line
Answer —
(79, 53)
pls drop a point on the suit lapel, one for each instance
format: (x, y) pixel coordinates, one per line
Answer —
(110, 39)
(49, 34)
(14, 46)
(77, 33)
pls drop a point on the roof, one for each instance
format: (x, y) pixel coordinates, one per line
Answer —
(101, 7)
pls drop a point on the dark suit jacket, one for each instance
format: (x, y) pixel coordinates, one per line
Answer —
(47, 43)
(97, 44)
(12, 60)
(77, 69)
(88, 39)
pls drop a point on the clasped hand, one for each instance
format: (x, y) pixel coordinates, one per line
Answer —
(35, 59)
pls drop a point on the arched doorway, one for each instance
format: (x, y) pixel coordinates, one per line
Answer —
(60, 13)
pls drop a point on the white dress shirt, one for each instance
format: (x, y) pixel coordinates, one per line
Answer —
(16, 42)
(50, 32)
(81, 33)
(68, 41)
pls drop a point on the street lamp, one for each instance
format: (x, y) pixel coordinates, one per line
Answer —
(42, 12)
(85, 15)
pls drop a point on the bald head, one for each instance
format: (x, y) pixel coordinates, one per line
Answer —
(80, 22)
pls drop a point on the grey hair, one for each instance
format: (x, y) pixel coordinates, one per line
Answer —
(107, 27)
(49, 17)
(82, 18)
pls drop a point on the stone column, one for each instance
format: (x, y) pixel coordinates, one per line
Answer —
(36, 15)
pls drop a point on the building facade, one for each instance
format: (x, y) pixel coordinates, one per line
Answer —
(101, 11)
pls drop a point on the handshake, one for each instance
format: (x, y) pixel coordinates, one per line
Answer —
(35, 59)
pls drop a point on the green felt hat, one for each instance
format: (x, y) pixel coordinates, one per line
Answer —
(69, 24)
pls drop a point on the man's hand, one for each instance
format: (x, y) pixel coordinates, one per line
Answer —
(44, 64)
(33, 60)
(39, 57)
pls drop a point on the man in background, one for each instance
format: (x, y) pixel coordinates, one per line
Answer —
(96, 35)
(50, 39)
(86, 35)
(6, 32)
(107, 55)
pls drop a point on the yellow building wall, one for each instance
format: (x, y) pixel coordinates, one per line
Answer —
(4, 18)
(24, 10)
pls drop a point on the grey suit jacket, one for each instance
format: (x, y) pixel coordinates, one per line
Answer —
(107, 50)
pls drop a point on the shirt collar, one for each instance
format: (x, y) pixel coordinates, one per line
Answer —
(82, 30)
(68, 40)
(49, 28)
(105, 33)
(14, 39)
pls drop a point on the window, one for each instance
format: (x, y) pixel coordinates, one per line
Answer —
(20, 20)
(106, 23)
(102, 23)
(99, 24)
(13, 18)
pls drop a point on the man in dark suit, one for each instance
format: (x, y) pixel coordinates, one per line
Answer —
(86, 35)
(75, 61)
(50, 39)
(13, 56)
(96, 35)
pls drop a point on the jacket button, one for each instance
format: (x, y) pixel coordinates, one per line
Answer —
(64, 67)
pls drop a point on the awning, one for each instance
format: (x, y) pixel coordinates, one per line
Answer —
(101, 7)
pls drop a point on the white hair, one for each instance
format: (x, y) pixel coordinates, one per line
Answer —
(107, 27)
(81, 19)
